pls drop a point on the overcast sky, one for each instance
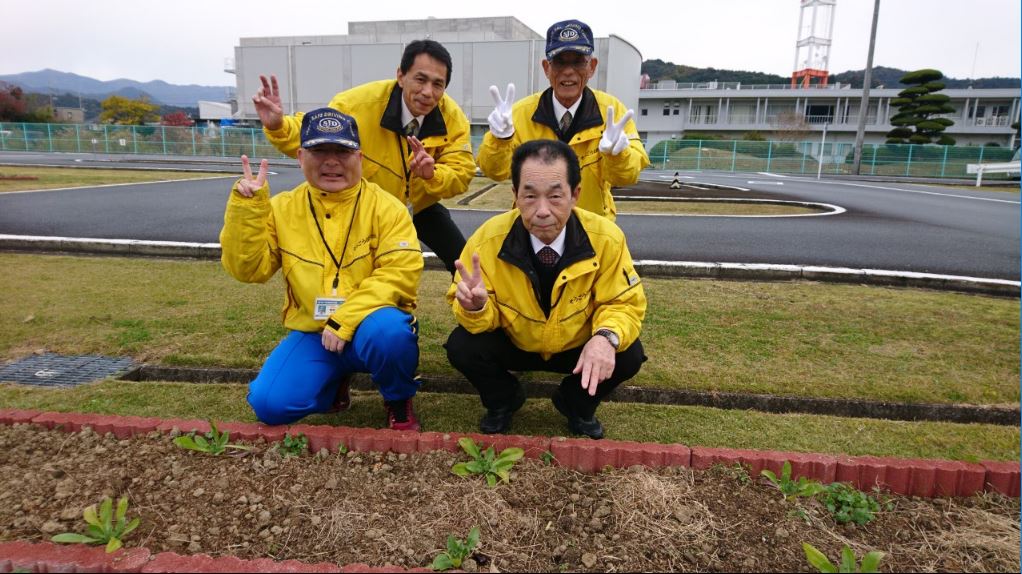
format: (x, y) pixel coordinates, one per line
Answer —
(186, 41)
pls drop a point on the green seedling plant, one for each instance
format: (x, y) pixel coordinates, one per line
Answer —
(294, 445)
(848, 504)
(214, 442)
(487, 463)
(457, 551)
(104, 527)
(793, 488)
(547, 457)
(870, 562)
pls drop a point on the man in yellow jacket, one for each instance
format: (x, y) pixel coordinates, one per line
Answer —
(416, 139)
(608, 147)
(351, 263)
(546, 287)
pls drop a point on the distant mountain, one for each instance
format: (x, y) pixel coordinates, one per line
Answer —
(55, 82)
(882, 76)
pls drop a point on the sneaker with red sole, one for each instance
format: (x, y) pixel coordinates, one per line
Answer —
(401, 415)
(342, 400)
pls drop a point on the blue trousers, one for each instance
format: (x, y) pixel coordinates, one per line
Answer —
(300, 377)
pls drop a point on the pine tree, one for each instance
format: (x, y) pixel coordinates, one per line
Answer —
(917, 104)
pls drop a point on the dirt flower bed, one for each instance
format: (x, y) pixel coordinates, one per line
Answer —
(399, 509)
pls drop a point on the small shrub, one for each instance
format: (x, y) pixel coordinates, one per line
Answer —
(487, 463)
(457, 551)
(870, 562)
(103, 527)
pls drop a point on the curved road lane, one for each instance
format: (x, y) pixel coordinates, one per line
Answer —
(895, 226)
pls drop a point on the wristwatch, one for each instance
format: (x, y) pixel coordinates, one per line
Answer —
(610, 336)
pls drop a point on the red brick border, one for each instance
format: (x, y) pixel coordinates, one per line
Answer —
(916, 477)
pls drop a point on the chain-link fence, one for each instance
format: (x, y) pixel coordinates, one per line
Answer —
(805, 157)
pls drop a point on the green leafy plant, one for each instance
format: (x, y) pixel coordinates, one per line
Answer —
(214, 442)
(547, 457)
(103, 526)
(870, 562)
(792, 488)
(457, 550)
(848, 504)
(487, 463)
(294, 445)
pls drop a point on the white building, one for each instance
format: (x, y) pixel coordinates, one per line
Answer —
(484, 51)
(668, 110)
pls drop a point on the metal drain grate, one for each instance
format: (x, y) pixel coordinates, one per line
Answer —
(54, 370)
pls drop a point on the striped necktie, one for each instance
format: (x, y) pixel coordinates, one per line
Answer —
(565, 122)
(412, 127)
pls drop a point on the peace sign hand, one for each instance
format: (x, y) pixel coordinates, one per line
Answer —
(268, 105)
(422, 164)
(614, 139)
(471, 293)
(248, 185)
(501, 125)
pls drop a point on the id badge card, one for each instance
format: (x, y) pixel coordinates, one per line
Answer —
(326, 306)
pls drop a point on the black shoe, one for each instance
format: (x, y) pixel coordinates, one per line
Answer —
(498, 421)
(578, 425)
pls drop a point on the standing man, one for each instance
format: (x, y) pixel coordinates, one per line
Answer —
(415, 139)
(351, 263)
(546, 287)
(609, 149)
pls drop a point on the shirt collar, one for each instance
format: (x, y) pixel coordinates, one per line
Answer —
(557, 244)
(559, 109)
(406, 114)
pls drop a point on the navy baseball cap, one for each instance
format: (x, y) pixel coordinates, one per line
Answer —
(329, 126)
(569, 35)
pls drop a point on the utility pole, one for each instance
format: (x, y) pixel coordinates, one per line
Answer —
(864, 103)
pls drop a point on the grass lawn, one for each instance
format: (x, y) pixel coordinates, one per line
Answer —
(802, 339)
(654, 423)
(60, 177)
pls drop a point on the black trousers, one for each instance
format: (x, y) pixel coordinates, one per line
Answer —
(486, 360)
(438, 231)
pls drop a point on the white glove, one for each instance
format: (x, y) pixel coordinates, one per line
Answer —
(614, 139)
(501, 125)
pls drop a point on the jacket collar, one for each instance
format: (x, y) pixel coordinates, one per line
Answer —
(517, 247)
(588, 114)
(432, 125)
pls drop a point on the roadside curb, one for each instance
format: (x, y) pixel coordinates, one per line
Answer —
(649, 268)
(854, 408)
(910, 477)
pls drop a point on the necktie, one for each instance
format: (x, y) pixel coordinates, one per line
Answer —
(547, 256)
(565, 122)
(411, 127)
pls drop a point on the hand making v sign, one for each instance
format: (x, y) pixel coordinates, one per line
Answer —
(471, 293)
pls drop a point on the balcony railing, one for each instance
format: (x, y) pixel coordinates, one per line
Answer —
(670, 85)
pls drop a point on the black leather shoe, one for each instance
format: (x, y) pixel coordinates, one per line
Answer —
(576, 424)
(498, 421)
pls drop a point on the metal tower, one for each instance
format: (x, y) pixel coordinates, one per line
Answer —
(812, 51)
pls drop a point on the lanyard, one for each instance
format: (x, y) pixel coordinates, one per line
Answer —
(337, 261)
(404, 168)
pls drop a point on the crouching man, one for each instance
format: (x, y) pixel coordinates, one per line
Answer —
(351, 263)
(546, 287)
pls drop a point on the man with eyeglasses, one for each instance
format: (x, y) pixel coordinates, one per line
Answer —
(608, 146)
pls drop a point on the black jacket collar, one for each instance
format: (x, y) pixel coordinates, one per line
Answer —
(588, 114)
(517, 246)
(432, 124)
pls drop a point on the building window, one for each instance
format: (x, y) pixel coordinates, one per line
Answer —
(644, 111)
(677, 111)
(667, 111)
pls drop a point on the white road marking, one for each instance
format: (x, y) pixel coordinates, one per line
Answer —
(768, 174)
(123, 184)
(925, 192)
(766, 182)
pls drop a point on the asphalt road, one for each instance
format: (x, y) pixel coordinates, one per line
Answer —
(895, 226)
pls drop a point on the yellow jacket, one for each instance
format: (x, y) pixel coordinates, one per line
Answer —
(376, 107)
(533, 117)
(381, 265)
(597, 288)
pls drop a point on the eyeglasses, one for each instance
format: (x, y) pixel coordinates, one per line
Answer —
(579, 64)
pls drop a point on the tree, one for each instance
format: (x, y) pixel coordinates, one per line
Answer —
(791, 126)
(12, 103)
(919, 106)
(120, 110)
(177, 119)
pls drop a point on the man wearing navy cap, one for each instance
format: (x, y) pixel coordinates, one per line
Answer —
(351, 263)
(607, 146)
(416, 139)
